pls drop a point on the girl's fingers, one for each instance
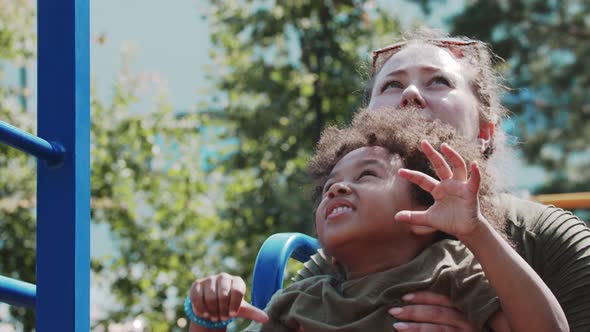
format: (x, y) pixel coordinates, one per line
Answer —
(236, 295)
(198, 301)
(459, 167)
(413, 217)
(424, 181)
(475, 179)
(439, 163)
(210, 298)
(250, 312)
(224, 284)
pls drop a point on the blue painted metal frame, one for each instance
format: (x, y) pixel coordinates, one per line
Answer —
(63, 194)
(16, 292)
(53, 153)
(62, 294)
(271, 261)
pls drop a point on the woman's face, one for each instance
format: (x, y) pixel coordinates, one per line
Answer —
(430, 78)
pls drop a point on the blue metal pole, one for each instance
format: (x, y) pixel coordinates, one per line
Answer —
(19, 139)
(16, 292)
(63, 194)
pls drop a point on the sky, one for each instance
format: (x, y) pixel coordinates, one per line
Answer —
(169, 41)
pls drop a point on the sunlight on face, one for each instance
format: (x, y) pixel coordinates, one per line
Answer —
(432, 79)
(361, 197)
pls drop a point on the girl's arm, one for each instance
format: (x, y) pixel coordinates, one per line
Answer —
(527, 302)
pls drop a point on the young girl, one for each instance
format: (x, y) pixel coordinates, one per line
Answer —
(380, 231)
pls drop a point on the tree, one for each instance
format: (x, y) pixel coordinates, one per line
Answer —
(17, 169)
(545, 47)
(287, 70)
(147, 186)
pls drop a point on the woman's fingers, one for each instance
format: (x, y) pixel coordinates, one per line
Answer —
(424, 181)
(459, 169)
(428, 297)
(427, 315)
(430, 311)
(423, 327)
(439, 163)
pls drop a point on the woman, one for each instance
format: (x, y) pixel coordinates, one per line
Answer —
(452, 80)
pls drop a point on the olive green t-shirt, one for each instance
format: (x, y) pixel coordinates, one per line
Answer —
(554, 242)
(332, 303)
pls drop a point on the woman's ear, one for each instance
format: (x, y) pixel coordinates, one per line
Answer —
(486, 134)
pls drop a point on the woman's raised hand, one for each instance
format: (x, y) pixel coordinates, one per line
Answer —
(220, 297)
(456, 207)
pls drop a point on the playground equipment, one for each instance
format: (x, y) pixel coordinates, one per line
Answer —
(61, 297)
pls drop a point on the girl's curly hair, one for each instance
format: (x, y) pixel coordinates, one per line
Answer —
(400, 132)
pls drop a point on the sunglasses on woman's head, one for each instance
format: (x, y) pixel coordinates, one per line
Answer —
(381, 55)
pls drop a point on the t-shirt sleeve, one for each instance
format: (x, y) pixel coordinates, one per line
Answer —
(557, 245)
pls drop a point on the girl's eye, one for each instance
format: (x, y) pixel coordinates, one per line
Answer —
(392, 85)
(440, 80)
(367, 173)
(327, 187)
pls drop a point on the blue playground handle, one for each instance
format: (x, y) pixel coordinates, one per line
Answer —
(272, 259)
(53, 153)
(16, 292)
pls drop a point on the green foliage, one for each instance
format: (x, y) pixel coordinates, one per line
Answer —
(289, 68)
(17, 170)
(148, 187)
(545, 44)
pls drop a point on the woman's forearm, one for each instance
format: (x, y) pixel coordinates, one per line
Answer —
(526, 301)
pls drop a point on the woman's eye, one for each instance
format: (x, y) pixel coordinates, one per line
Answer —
(440, 80)
(392, 85)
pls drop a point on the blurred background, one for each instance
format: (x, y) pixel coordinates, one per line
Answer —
(204, 114)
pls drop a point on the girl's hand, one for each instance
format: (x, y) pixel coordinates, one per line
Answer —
(456, 207)
(220, 297)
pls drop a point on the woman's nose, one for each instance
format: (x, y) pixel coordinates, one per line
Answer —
(411, 97)
(339, 189)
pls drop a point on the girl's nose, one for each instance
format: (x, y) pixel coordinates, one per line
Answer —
(338, 189)
(411, 97)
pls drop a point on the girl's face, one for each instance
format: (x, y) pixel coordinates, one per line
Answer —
(362, 195)
(431, 78)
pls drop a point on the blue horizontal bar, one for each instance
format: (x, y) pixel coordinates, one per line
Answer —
(16, 292)
(53, 153)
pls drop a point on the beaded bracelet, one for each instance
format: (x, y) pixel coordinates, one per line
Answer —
(188, 310)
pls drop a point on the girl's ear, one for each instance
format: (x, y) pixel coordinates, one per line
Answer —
(486, 134)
